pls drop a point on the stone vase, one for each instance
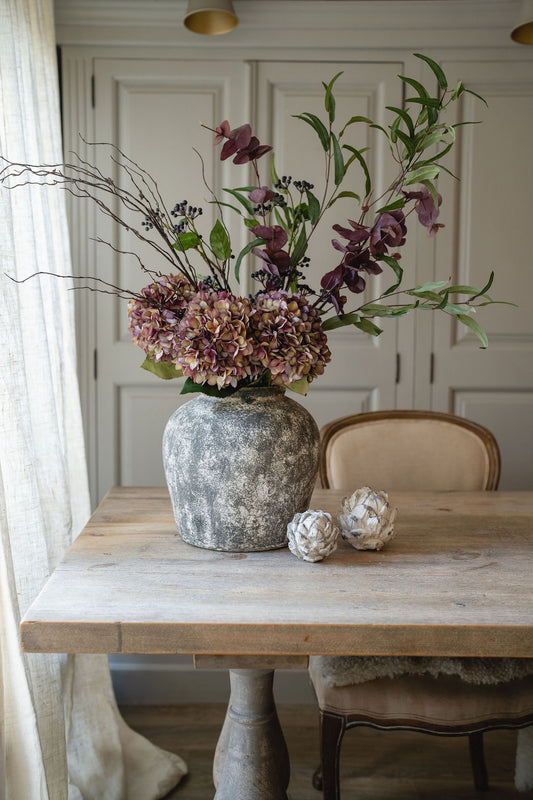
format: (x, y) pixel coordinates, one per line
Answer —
(238, 468)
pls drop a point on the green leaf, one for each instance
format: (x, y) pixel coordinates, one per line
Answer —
(367, 326)
(318, 126)
(250, 223)
(422, 91)
(329, 100)
(226, 205)
(458, 91)
(219, 241)
(407, 142)
(428, 173)
(427, 102)
(299, 248)
(398, 202)
(475, 327)
(338, 160)
(439, 74)
(245, 250)
(314, 207)
(186, 241)
(190, 387)
(432, 190)
(301, 386)
(344, 194)
(163, 369)
(359, 157)
(340, 321)
(469, 91)
(426, 294)
(485, 288)
(242, 200)
(352, 120)
(402, 114)
(398, 271)
(431, 286)
(429, 139)
(274, 178)
(377, 310)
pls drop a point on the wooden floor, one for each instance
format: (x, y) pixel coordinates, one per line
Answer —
(375, 765)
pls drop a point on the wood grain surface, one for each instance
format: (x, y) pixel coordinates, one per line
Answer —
(456, 580)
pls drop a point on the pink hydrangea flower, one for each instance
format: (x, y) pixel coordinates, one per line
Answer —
(288, 337)
(154, 320)
(212, 344)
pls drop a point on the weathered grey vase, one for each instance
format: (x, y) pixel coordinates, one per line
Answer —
(239, 468)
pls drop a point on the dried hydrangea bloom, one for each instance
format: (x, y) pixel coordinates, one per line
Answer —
(212, 344)
(288, 337)
(154, 320)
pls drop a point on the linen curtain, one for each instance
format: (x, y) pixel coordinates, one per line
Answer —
(61, 735)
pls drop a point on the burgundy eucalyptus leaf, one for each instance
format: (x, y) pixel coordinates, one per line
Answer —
(425, 207)
(262, 195)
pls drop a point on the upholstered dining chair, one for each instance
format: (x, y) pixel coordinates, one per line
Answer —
(401, 451)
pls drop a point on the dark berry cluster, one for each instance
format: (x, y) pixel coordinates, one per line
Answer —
(303, 186)
(283, 183)
(184, 210)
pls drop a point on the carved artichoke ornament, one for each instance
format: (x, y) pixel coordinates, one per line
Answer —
(312, 535)
(366, 521)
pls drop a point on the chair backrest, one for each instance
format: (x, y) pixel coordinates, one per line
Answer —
(408, 451)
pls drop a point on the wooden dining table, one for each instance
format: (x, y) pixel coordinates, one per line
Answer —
(454, 581)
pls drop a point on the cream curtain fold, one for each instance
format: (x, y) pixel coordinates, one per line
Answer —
(61, 734)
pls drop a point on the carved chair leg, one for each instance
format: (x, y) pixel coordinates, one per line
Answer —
(477, 759)
(326, 776)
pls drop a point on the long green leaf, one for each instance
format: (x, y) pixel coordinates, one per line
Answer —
(403, 114)
(274, 178)
(475, 327)
(219, 241)
(344, 194)
(407, 142)
(329, 100)
(486, 287)
(318, 126)
(245, 250)
(398, 202)
(398, 271)
(299, 248)
(353, 120)
(163, 369)
(367, 326)
(314, 207)
(359, 157)
(242, 200)
(469, 91)
(338, 160)
(439, 74)
(340, 321)
(428, 173)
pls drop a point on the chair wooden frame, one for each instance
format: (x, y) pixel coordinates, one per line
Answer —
(332, 428)
(333, 726)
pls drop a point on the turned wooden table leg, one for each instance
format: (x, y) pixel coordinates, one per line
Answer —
(251, 761)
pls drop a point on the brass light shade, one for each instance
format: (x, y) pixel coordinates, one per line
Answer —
(523, 30)
(210, 17)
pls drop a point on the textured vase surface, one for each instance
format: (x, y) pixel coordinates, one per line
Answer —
(238, 468)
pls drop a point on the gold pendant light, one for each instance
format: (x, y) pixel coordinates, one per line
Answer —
(210, 17)
(523, 30)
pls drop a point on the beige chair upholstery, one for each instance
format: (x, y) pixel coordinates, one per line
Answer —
(412, 450)
(408, 450)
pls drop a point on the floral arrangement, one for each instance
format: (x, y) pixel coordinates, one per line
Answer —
(191, 323)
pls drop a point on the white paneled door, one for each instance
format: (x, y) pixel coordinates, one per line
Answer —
(152, 110)
(486, 215)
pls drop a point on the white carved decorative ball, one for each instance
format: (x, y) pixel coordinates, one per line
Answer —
(366, 519)
(312, 535)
